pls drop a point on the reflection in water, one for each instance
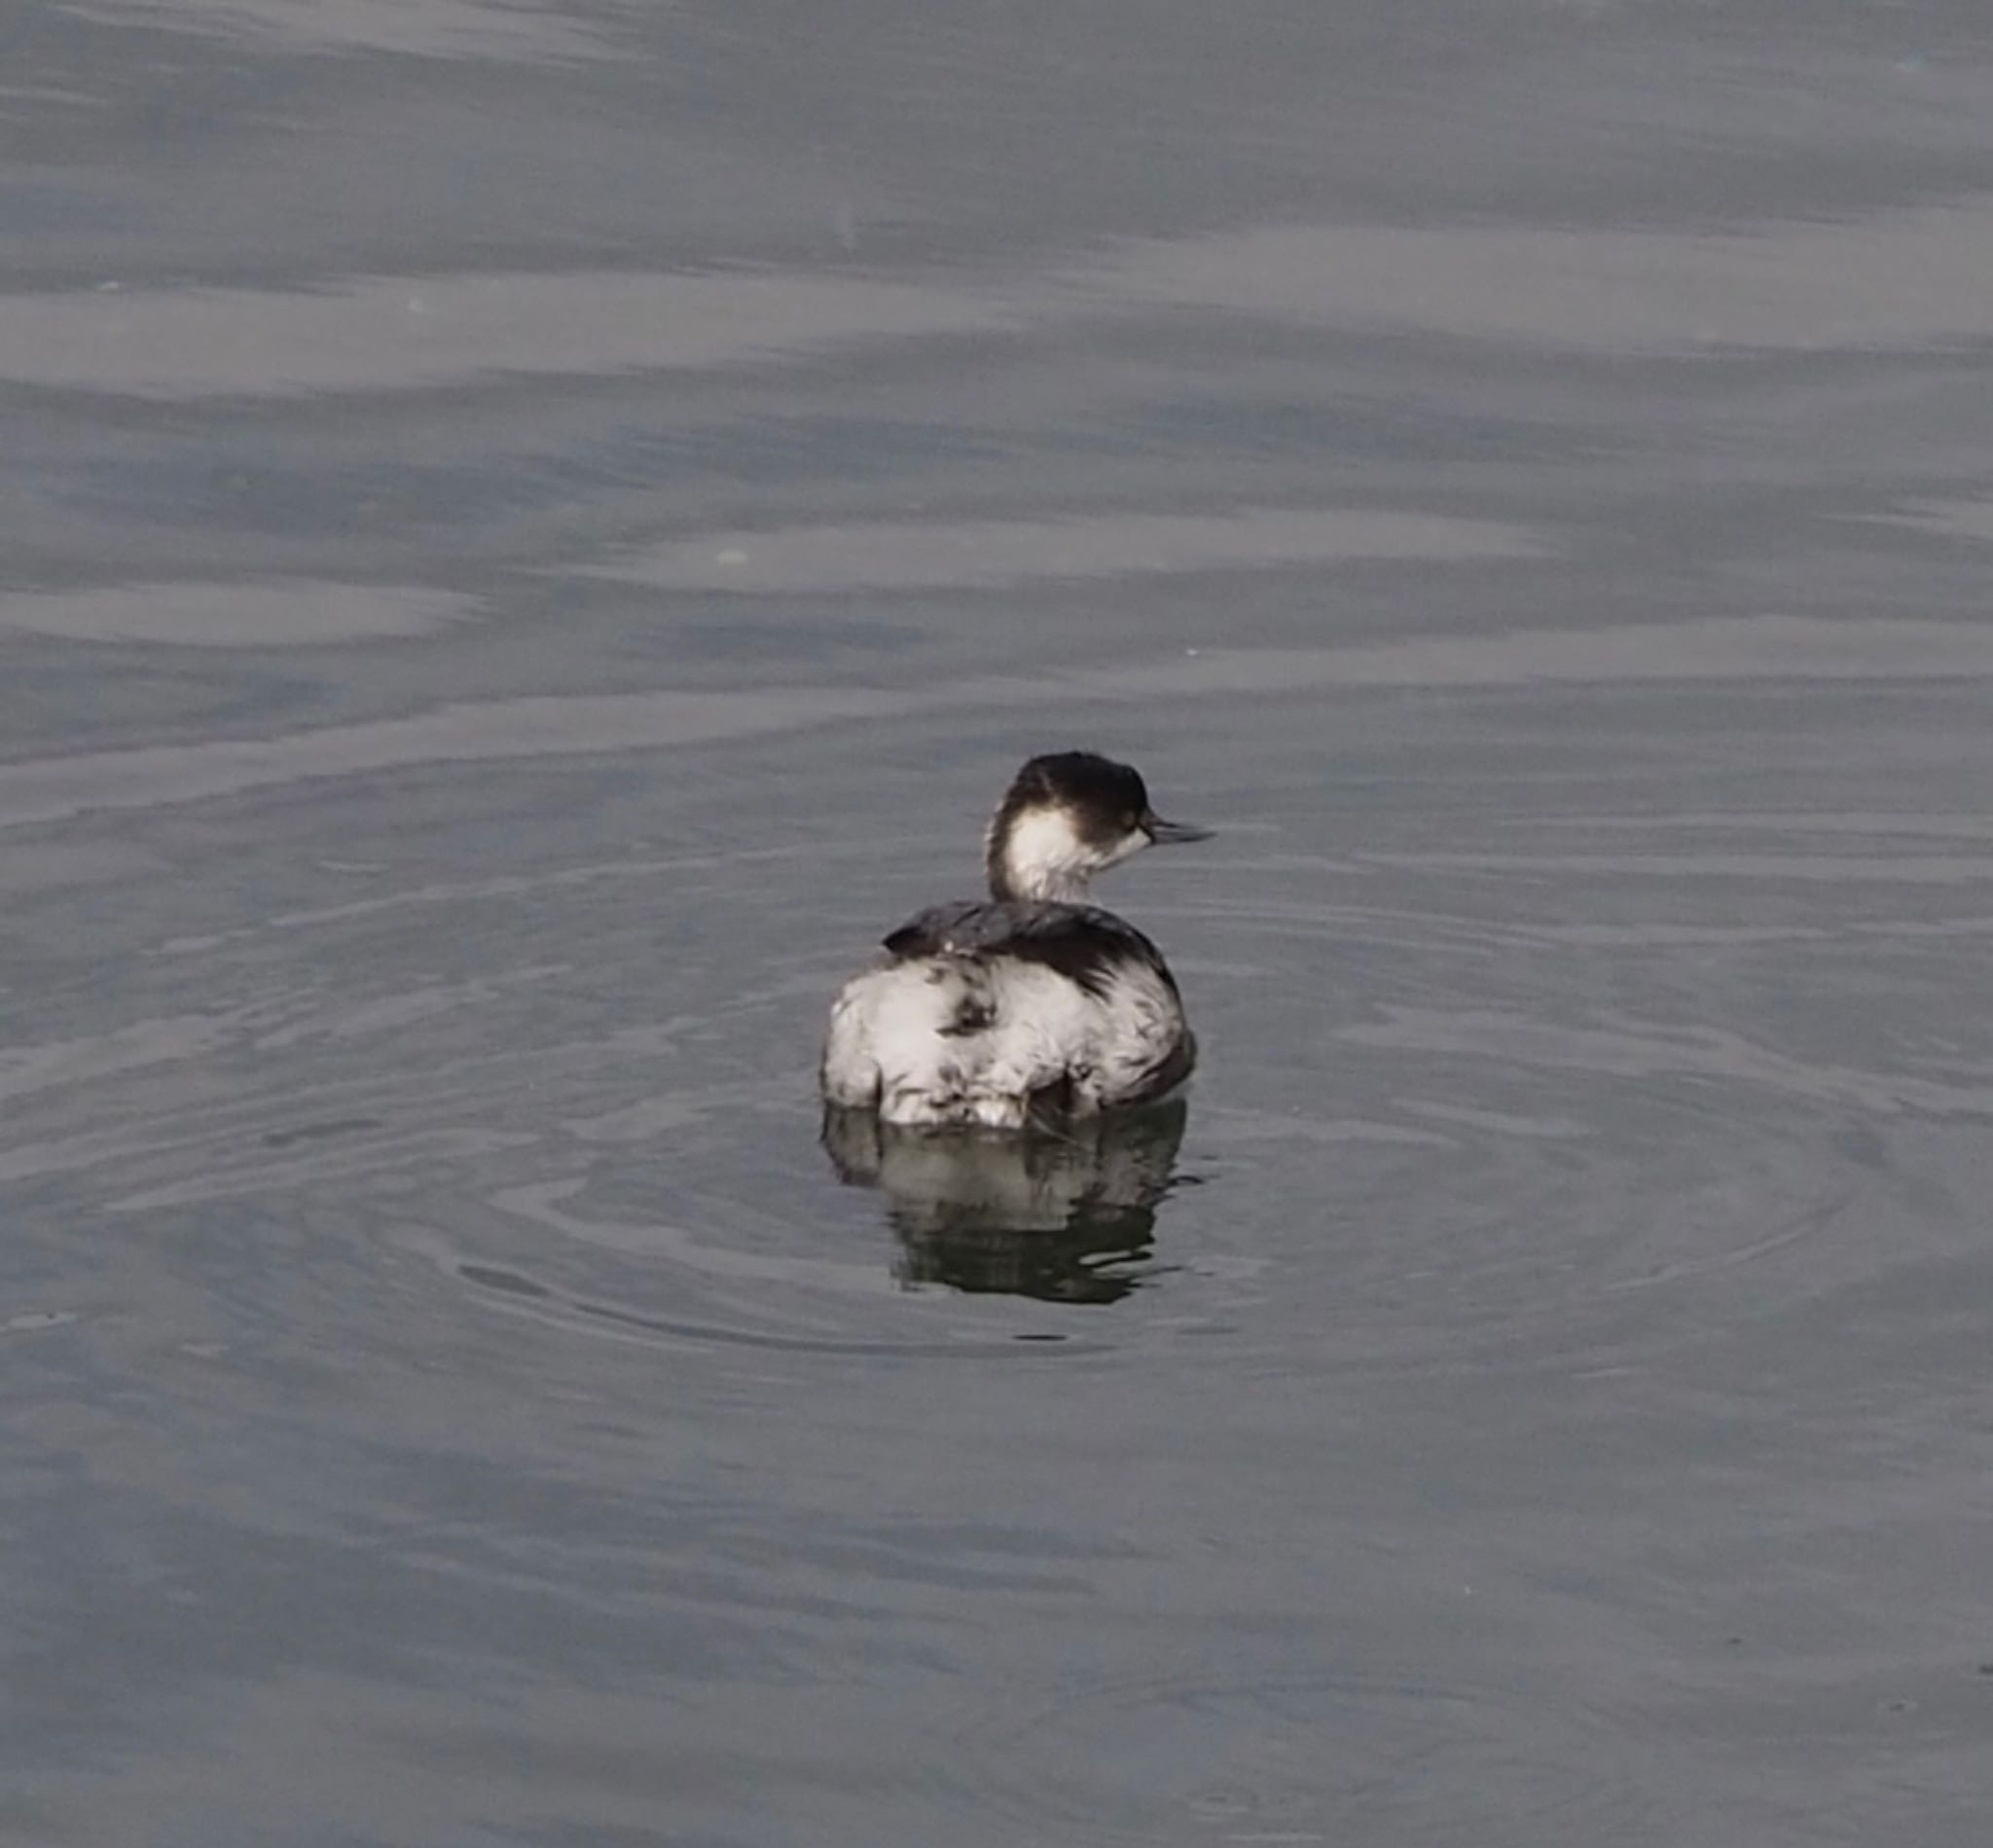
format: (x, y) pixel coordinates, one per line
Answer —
(1061, 1215)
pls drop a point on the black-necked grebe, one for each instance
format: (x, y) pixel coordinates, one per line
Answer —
(1032, 1004)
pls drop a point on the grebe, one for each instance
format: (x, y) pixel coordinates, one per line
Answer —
(1031, 1005)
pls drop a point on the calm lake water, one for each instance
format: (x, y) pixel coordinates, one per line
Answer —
(533, 533)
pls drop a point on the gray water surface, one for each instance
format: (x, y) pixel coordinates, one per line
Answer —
(532, 534)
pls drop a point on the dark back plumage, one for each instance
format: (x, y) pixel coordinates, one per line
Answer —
(1081, 942)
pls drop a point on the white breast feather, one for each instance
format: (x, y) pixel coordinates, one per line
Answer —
(1143, 1023)
(899, 1040)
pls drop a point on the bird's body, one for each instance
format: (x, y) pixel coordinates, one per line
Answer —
(1033, 1004)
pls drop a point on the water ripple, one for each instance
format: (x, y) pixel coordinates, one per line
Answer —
(1714, 649)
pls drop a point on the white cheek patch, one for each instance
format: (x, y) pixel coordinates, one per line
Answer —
(1045, 854)
(1126, 848)
(1046, 857)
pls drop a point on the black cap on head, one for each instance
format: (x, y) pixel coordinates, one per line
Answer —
(1107, 799)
